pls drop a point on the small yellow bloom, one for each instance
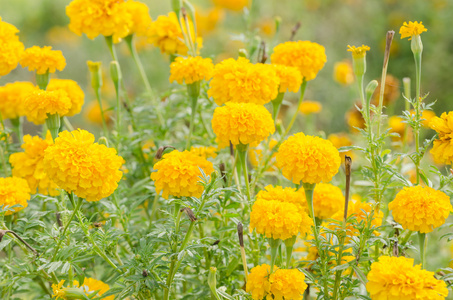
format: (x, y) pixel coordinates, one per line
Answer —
(12, 99)
(427, 116)
(38, 104)
(290, 78)
(397, 125)
(358, 52)
(73, 91)
(93, 112)
(208, 20)
(91, 285)
(191, 69)
(11, 48)
(412, 29)
(58, 290)
(343, 72)
(43, 60)
(308, 107)
(355, 120)
(14, 191)
(234, 5)
(442, 148)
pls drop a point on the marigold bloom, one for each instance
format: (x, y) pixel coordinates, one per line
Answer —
(234, 5)
(343, 72)
(99, 17)
(355, 119)
(43, 60)
(140, 17)
(29, 165)
(255, 156)
(178, 174)
(241, 81)
(327, 200)
(91, 285)
(411, 29)
(39, 103)
(204, 152)
(308, 107)
(287, 195)
(58, 290)
(308, 159)
(258, 281)
(307, 56)
(420, 208)
(287, 284)
(191, 69)
(11, 99)
(279, 220)
(77, 164)
(73, 90)
(93, 112)
(427, 116)
(341, 140)
(208, 20)
(242, 123)
(398, 278)
(11, 48)
(358, 52)
(391, 91)
(397, 125)
(14, 191)
(442, 147)
(290, 78)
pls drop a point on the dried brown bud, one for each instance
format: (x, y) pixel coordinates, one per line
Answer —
(58, 216)
(189, 213)
(223, 172)
(347, 164)
(241, 234)
(294, 30)
(97, 224)
(231, 149)
(2, 234)
(161, 150)
(145, 273)
(216, 243)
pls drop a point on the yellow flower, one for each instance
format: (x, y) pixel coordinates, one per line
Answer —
(242, 123)
(255, 156)
(93, 112)
(397, 278)
(397, 125)
(358, 52)
(287, 284)
(258, 281)
(178, 174)
(73, 91)
(308, 107)
(191, 69)
(140, 17)
(77, 164)
(204, 152)
(343, 72)
(290, 78)
(287, 195)
(38, 104)
(327, 200)
(420, 208)
(91, 285)
(427, 116)
(207, 20)
(308, 159)
(355, 119)
(234, 5)
(279, 220)
(411, 29)
(307, 56)
(11, 99)
(241, 81)
(95, 17)
(442, 147)
(58, 290)
(29, 165)
(11, 48)
(341, 140)
(43, 60)
(14, 191)
(391, 91)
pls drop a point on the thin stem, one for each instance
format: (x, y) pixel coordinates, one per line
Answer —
(422, 242)
(154, 208)
(194, 101)
(274, 245)
(418, 71)
(276, 104)
(243, 157)
(301, 98)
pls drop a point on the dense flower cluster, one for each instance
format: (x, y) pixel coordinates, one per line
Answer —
(140, 17)
(243, 123)
(14, 191)
(43, 60)
(77, 164)
(11, 48)
(308, 107)
(308, 159)
(204, 152)
(412, 28)
(307, 56)
(178, 174)
(343, 72)
(398, 278)
(73, 91)
(420, 208)
(287, 284)
(241, 81)
(91, 285)
(288, 195)
(29, 165)
(358, 52)
(191, 69)
(443, 146)
(11, 99)
(258, 281)
(327, 200)
(234, 5)
(290, 78)
(39, 103)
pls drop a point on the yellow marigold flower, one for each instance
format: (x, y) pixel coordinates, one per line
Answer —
(242, 123)
(39, 103)
(208, 20)
(14, 191)
(241, 81)
(77, 164)
(327, 200)
(411, 29)
(11, 99)
(287, 195)
(341, 140)
(391, 91)
(355, 119)
(358, 52)
(343, 72)
(427, 116)
(93, 112)
(307, 56)
(95, 17)
(165, 33)
(191, 69)
(308, 159)
(74, 92)
(178, 174)
(308, 107)
(255, 156)
(398, 278)
(29, 165)
(420, 208)
(43, 60)
(140, 17)
(398, 125)
(442, 147)
(91, 285)
(11, 48)
(287, 284)
(234, 5)
(279, 220)
(58, 290)
(204, 152)
(258, 281)
(290, 78)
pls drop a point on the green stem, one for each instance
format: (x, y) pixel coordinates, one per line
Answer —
(276, 104)
(289, 245)
(301, 98)
(17, 126)
(154, 208)
(193, 101)
(274, 245)
(418, 70)
(242, 151)
(104, 123)
(422, 242)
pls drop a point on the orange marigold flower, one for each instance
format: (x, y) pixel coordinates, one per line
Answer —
(327, 200)
(287, 284)
(178, 174)
(191, 69)
(29, 165)
(43, 60)
(308, 159)
(398, 278)
(204, 152)
(11, 48)
(73, 90)
(442, 147)
(258, 281)
(358, 52)
(411, 29)
(343, 72)
(234, 5)
(242, 123)
(77, 164)
(12, 99)
(140, 17)
(287, 195)
(14, 191)
(307, 56)
(420, 208)
(308, 107)
(99, 17)
(241, 81)
(290, 78)
(38, 104)
(91, 285)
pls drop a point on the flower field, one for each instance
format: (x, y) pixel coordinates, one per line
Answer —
(225, 149)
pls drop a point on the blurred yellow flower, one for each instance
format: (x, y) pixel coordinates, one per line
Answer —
(73, 91)
(91, 285)
(427, 116)
(343, 72)
(327, 200)
(61, 35)
(12, 99)
(207, 20)
(140, 17)
(397, 125)
(442, 150)
(358, 52)
(38, 104)
(43, 60)
(93, 112)
(204, 152)
(11, 48)
(341, 140)
(290, 78)
(234, 5)
(308, 107)
(255, 156)
(355, 120)
(412, 28)
(258, 281)
(191, 69)
(287, 284)
(14, 191)
(287, 195)
(391, 91)
(58, 291)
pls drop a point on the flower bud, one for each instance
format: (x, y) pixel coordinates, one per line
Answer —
(115, 72)
(96, 74)
(416, 44)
